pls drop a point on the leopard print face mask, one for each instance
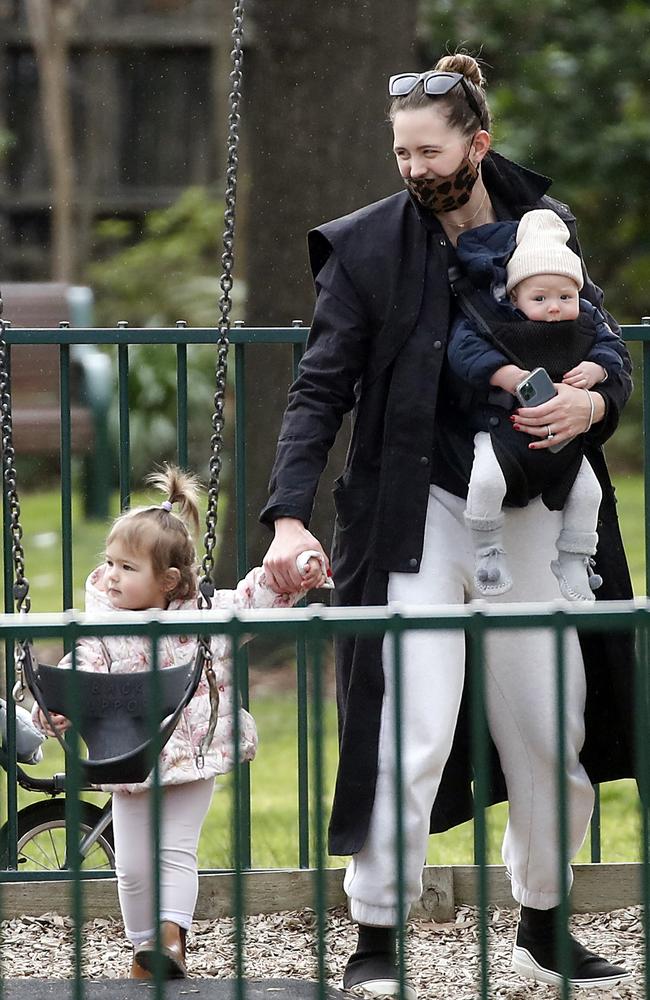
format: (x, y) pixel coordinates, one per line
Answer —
(445, 194)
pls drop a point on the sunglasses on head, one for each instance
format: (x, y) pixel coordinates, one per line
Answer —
(435, 83)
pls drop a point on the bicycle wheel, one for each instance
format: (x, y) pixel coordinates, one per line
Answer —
(41, 837)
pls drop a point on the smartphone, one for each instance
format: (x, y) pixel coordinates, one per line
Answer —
(535, 389)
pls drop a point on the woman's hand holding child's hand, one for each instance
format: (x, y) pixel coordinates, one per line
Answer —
(291, 539)
(59, 721)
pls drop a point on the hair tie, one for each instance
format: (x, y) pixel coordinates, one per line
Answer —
(167, 505)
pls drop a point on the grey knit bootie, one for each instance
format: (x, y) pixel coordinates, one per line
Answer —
(491, 574)
(574, 565)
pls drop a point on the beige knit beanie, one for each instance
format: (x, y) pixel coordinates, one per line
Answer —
(541, 249)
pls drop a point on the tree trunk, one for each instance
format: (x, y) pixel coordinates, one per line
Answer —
(318, 146)
(50, 22)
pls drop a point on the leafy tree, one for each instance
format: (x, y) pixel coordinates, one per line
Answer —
(169, 274)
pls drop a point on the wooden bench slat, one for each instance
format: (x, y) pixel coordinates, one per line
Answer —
(38, 431)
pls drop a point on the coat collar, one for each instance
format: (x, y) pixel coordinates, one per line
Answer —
(518, 187)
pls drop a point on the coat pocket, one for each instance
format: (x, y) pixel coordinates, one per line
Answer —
(351, 545)
(352, 502)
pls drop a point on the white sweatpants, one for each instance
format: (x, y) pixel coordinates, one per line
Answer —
(520, 679)
(487, 489)
(183, 809)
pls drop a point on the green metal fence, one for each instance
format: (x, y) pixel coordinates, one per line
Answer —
(316, 626)
(312, 630)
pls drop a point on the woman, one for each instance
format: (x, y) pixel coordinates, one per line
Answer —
(377, 345)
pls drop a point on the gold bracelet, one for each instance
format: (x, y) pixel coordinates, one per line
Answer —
(593, 410)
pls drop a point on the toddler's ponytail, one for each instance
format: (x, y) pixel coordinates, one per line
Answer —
(179, 487)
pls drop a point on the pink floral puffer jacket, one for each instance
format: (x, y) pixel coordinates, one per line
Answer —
(127, 654)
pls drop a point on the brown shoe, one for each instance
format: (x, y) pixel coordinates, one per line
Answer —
(137, 971)
(172, 952)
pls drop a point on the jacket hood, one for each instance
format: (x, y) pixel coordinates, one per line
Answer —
(483, 252)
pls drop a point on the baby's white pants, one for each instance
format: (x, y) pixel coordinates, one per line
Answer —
(487, 489)
(520, 684)
(183, 809)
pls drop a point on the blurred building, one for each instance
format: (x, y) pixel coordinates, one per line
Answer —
(148, 84)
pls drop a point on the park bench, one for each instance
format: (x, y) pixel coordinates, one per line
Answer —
(35, 385)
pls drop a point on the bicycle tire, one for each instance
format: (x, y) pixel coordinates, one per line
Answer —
(41, 837)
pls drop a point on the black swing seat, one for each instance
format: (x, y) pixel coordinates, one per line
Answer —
(124, 719)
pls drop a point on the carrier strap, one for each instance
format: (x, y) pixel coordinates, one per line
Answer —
(473, 305)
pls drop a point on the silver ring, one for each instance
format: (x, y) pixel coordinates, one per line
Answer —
(549, 432)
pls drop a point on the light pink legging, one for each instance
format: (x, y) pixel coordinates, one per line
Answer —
(183, 809)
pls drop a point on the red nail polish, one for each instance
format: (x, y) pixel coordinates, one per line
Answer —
(517, 427)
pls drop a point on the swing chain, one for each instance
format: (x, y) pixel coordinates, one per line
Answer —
(213, 687)
(21, 584)
(206, 585)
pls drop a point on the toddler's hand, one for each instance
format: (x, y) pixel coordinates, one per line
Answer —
(585, 375)
(313, 570)
(59, 721)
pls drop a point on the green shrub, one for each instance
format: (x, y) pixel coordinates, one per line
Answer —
(172, 272)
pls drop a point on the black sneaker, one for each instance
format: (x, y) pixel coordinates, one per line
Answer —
(374, 976)
(536, 957)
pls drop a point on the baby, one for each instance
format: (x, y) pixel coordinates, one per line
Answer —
(543, 281)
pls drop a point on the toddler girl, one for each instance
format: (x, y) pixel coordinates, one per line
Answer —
(150, 562)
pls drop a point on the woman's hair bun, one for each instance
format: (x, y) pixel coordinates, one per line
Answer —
(461, 106)
(460, 62)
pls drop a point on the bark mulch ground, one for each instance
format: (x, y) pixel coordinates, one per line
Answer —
(442, 958)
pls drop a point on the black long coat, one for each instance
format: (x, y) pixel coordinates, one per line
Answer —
(368, 352)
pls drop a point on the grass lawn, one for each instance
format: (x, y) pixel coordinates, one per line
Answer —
(629, 491)
(274, 773)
